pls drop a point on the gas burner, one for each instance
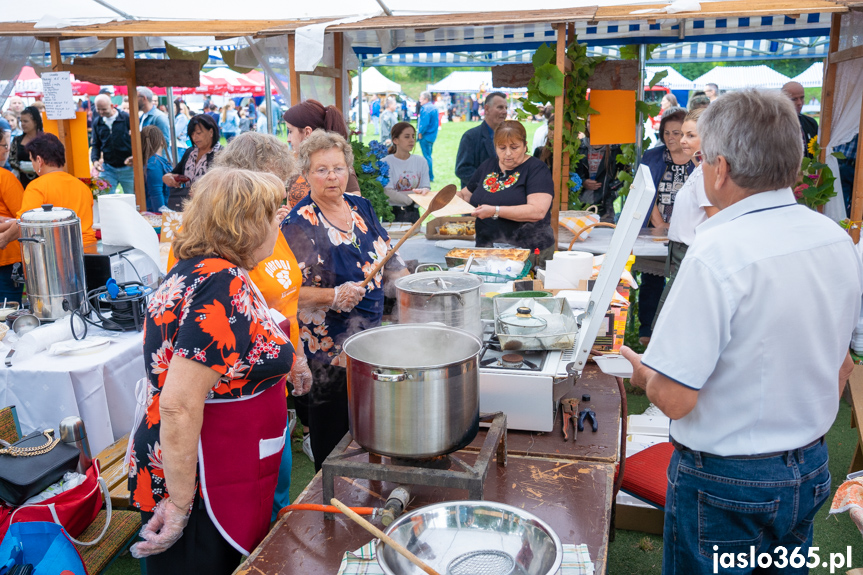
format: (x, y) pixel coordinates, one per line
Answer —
(441, 462)
(512, 360)
(350, 461)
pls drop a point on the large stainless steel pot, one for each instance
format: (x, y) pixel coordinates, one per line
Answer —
(52, 252)
(450, 298)
(413, 389)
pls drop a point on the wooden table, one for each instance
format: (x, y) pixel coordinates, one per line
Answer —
(601, 446)
(568, 485)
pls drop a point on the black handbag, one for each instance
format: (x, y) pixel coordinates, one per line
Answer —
(33, 463)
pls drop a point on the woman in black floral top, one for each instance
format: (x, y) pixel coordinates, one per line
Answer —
(216, 365)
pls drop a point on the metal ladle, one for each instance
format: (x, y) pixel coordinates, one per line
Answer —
(22, 324)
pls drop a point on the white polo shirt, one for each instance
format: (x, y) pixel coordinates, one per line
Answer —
(689, 207)
(759, 321)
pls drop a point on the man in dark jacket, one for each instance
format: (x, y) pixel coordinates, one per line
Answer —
(111, 145)
(477, 144)
(808, 126)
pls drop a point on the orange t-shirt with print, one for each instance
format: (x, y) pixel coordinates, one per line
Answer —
(62, 190)
(11, 193)
(279, 279)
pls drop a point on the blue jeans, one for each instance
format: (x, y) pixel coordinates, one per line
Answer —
(124, 176)
(736, 504)
(426, 148)
(8, 290)
(283, 486)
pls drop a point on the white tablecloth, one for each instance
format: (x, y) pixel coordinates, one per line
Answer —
(99, 388)
(600, 239)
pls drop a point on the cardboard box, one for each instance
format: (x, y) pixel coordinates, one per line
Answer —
(643, 517)
(433, 228)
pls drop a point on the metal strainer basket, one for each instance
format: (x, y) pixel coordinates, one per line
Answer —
(472, 537)
(486, 562)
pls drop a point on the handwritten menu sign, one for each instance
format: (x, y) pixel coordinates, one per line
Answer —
(57, 96)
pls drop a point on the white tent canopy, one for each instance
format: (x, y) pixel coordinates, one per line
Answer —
(468, 81)
(811, 77)
(740, 77)
(375, 83)
(673, 81)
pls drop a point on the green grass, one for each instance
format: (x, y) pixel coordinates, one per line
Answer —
(446, 147)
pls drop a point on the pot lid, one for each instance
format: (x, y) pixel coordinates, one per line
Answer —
(48, 214)
(437, 282)
(523, 319)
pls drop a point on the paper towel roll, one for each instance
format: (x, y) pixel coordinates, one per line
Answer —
(568, 269)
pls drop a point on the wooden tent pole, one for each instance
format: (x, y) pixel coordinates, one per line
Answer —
(64, 129)
(857, 192)
(293, 77)
(557, 164)
(134, 123)
(829, 88)
(339, 63)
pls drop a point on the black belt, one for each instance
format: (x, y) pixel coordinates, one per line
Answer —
(679, 446)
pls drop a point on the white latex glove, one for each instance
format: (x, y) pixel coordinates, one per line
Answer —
(301, 375)
(348, 295)
(162, 531)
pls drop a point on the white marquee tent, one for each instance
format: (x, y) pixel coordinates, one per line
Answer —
(811, 77)
(741, 77)
(468, 81)
(374, 83)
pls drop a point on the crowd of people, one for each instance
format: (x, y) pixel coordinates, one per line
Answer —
(264, 286)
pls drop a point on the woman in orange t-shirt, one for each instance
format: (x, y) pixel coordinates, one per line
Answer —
(11, 193)
(56, 187)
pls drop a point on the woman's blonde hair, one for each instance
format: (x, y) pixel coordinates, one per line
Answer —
(693, 115)
(231, 213)
(258, 153)
(228, 106)
(321, 140)
(510, 131)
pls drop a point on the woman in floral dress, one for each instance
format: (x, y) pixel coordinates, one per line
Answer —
(512, 193)
(205, 455)
(337, 239)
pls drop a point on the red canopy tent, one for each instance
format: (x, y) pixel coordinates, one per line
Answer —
(85, 88)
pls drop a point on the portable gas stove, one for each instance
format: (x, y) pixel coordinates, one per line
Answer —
(448, 471)
(526, 385)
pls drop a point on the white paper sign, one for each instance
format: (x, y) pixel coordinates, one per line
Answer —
(57, 96)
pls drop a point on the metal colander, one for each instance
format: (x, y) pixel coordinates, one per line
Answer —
(484, 562)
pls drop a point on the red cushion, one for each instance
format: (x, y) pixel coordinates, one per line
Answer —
(645, 473)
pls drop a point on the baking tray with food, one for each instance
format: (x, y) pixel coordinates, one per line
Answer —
(451, 228)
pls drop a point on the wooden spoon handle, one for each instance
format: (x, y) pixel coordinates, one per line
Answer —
(383, 537)
(390, 253)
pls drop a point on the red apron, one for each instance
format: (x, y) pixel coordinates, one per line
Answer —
(238, 457)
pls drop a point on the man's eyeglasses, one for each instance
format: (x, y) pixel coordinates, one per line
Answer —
(322, 173)
(698, 156)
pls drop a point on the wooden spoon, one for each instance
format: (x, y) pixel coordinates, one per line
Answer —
(442, 198)
(400, 549)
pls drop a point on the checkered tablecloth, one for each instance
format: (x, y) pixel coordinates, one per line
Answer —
(576, 561)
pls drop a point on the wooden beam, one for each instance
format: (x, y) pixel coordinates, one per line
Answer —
(64, 129)
(557, 166)
(726, 8)
(161, 73)
(340, 65)
(829, 88)
(293, 77)
(324, 72)
(846, 54)
(137, 158)
(615, 75)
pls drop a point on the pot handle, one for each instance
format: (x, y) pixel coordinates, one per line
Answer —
(456, 294)
(377, 375)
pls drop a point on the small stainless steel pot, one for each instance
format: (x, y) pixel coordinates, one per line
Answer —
(413, 389)
(450, 298)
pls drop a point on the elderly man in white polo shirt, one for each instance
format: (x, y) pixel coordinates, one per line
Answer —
(750, 353)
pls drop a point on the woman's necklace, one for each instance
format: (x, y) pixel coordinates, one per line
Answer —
(346, 223)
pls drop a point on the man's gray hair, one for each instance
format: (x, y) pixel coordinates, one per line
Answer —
(758, 134)
(146, 92)
(425, 95)
(321, 140)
